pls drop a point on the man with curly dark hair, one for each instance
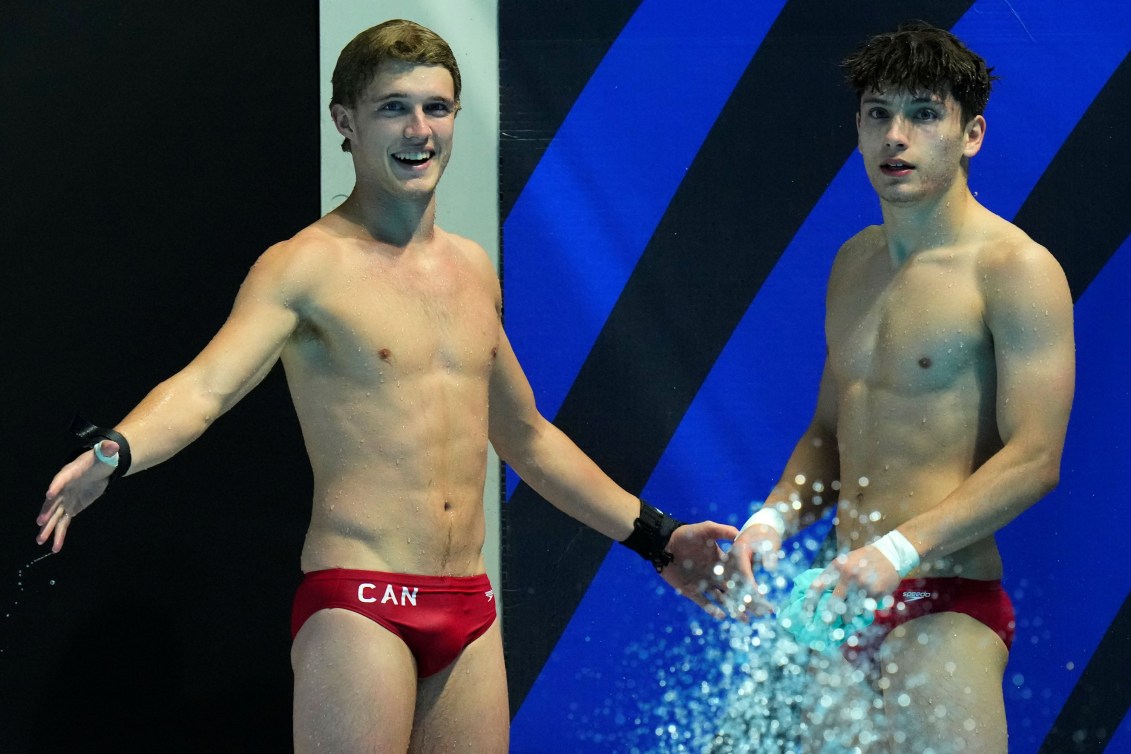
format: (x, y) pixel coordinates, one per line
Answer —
(940, 417)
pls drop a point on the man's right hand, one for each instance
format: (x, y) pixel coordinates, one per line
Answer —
(74, 488)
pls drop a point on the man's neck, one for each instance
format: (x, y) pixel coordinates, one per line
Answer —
(398, 221)
(933, 223)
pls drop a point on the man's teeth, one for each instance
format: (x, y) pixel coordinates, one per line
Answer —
(414, 156)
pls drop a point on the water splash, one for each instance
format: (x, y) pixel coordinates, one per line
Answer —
(20, 586)
(738, 688)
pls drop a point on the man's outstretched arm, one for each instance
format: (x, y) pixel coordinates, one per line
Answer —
(179, 409)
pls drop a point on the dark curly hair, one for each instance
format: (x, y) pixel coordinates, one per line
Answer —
(921, 57)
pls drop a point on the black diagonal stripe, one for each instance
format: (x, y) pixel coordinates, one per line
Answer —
(1093, 711)
(1084, 222)
(1081, 207)
(547, 52)
(744, 197)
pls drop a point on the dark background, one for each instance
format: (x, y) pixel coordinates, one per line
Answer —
(151, 151)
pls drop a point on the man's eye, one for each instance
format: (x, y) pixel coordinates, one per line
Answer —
(928, 115)
(878, 113)
(392, 107)
(438, 108)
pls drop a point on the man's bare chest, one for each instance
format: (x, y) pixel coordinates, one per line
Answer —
(369, 326)
(919, 331)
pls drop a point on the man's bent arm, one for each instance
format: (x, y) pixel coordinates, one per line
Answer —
(1029, 313)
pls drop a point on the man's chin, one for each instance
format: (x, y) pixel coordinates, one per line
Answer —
(899, 195)
(420, 185)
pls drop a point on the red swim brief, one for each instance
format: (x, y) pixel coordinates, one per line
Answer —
(435, 616)
(985, 601)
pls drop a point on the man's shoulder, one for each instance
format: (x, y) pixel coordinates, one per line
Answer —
(320, 238)
(470, 251)
(870, 236)
(859, 249)
(1016, 273)
(296, 261)
(1004, 248)
(462, 243)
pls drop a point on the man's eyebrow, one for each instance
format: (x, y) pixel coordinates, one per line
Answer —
(406, 95)
(927, 97)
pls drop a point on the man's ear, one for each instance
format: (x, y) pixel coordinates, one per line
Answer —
(343, 120)
(975, 133)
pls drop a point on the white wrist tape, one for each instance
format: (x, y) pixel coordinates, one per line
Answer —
(767, 516)
(899, 551)
(111, 461)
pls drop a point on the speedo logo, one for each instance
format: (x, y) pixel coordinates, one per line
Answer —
(913, 596)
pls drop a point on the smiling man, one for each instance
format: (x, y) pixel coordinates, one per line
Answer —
(940, 417)
(389, 330)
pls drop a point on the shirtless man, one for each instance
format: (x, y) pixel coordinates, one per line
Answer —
(389, 331)
(941, 416)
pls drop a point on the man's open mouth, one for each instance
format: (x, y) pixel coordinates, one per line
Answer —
(412, 158)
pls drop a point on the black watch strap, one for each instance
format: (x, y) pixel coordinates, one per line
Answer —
(651, 532)
(90, 434)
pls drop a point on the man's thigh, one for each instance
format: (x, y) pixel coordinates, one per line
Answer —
(355, 685)
(465, 707)
(943, 676)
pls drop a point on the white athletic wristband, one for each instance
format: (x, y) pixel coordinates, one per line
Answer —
(899, 551)
(111, 461)
(766, 516)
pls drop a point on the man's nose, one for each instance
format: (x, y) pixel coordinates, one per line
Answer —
(896, 134)
(417, 125)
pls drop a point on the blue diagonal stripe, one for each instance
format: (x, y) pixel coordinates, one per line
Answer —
(586, 214)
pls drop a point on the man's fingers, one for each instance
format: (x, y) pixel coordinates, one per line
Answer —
(769, 555)
(61, 532)
(56, 523)
(742, 559)
(49, 505)
(697, 593)
(723, 531)
(708, 606)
